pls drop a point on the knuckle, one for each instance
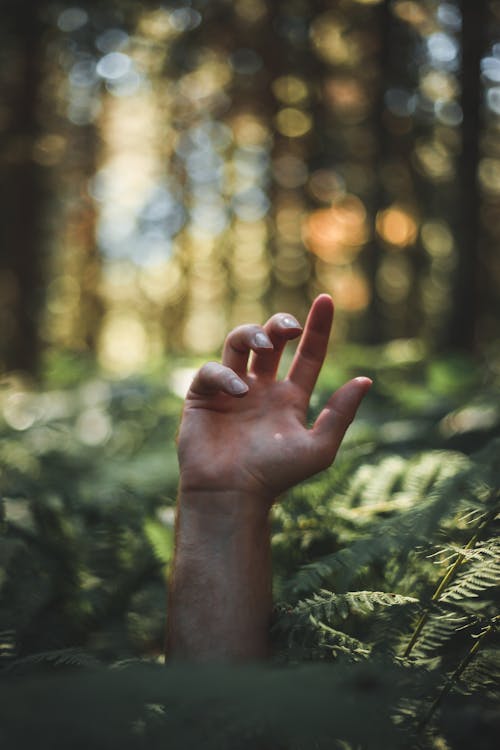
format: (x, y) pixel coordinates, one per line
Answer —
(343, 419)
(240, 338)
(209, 370)
(278, 318)
(285, 324)
(243, 331)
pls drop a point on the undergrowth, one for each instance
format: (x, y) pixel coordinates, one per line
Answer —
(386, 572)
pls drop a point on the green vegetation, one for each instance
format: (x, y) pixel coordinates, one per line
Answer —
(386, 571)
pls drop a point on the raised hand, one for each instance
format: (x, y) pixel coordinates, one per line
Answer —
(242, 429)
(243, 440)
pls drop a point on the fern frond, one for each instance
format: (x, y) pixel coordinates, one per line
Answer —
(331, 607)
(429, 468)
(481, 572)
(337, 641)
(374, 484)
(67, 657)
(405, 530)
(471, 585)
(482, 674)
(437, 631)
(453, 679)
(311, 624)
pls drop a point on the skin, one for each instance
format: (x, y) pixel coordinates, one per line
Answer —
(243, 441)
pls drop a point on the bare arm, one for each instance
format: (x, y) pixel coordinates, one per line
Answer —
(243, 441)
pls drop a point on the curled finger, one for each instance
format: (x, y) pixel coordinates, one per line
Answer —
(281, 328)
(215, 378)
(240, 342)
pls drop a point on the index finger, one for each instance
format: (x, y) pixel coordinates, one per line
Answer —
(311, 352)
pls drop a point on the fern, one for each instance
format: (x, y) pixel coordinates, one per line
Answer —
(418, 503)
(67, 658)
(482, 673)
(432, 499)
(436, 631)
(481, 572)
(312, 625)
(330, 607)
(453, 678)
(363, 553)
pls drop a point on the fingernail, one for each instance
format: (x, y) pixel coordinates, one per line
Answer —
(237, 387)
(368, 382)
(262, 341)
(287, 321)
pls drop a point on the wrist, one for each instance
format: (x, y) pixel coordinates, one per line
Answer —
(223, 524)
(220, 588)
(229, 504)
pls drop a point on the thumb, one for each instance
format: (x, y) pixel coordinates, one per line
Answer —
(332, 423)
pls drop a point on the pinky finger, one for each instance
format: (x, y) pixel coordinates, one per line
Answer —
(214, 378)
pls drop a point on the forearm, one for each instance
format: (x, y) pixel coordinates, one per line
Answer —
(220, 589)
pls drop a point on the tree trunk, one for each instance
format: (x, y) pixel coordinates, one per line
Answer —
(462, 326)
(21, 192)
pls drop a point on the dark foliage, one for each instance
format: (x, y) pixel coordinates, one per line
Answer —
(386, 572)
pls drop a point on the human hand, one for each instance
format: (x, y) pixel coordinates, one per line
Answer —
(242, 430)
(243, 440)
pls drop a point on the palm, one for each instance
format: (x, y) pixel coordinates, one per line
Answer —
(255, 440)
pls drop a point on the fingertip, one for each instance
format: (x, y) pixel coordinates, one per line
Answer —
(324, 298)
(365, 382)
(323, 304)
(350, 397)
(262, 341)
(285, 326)
(290, 323)
(321, 314)
(346, 401)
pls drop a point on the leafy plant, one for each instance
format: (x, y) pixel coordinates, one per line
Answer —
(386, 572)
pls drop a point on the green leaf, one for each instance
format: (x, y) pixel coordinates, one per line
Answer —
(161, 539)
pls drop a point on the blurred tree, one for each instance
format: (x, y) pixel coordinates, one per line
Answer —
(466, 311)
(171, 170)
(69, 151)
(22, 190)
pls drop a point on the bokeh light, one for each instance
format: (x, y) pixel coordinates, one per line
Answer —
(437, 239)
(293, 122)
(396, 226)
(393, 279)
(329, 39)
(195, 174)
(337, 233)
(123, 343)
(347, 98)
(348, 287)
(290, 90)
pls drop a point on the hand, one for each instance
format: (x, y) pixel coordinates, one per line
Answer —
(243, 440)
(244, 431)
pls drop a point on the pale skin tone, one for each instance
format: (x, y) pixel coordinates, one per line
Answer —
(243, 441)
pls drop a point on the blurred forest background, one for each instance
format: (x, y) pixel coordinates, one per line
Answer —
(170, 170)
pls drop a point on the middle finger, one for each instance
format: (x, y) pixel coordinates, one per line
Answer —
(238, 344)
(280, 329)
